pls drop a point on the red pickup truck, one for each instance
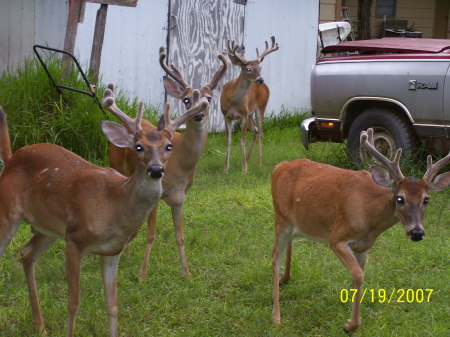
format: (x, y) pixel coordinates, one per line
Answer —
(400, 87)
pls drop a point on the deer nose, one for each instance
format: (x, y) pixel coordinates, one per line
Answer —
(199, 117)
(155, 171)
(260, 80)
(416, 234)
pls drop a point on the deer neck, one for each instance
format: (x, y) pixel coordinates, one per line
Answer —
(240, 88)
(384, 213)
(193, 141)
(140, 188)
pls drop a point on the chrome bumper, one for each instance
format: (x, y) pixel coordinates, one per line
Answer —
(305, 127)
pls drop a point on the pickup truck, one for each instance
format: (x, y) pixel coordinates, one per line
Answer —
(400, 87)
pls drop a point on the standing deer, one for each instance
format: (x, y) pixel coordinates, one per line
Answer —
(95, 210)
(244, 96)
(348, 210)
(186, 153)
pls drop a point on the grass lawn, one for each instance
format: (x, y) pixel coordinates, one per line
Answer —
(228, 225)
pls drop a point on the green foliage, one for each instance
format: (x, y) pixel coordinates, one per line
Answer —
(37, 113)
(228, 226)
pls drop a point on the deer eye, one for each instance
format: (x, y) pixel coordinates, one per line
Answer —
(209, 99)
(400, 200)
(169, 147)
(186, 100)
(139, 148)
(248, 69)
(426, 200)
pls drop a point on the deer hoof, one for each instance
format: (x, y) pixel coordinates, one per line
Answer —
(349, 326)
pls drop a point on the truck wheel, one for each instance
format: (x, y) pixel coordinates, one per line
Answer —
(391, 131)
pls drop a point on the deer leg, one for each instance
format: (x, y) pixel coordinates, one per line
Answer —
(345, 255)
(259, 121)
(287, 270)
(151, 233)
(8, 227)
(281, 242)
(30, 253)
(177, 216)
(73, 269)
(228, 129)
(254, 131)
(243, 137)
(361, 257)
(109, 272)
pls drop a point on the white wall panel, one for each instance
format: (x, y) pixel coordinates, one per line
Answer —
(294, 23)
(131, 47)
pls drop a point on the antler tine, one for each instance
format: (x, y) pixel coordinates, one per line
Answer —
(268, 50)
(219, 73)
(109, 104)
(138, 119)
(232, 48)
(433, 169)
(198, 105)
(393, 167)
(171, 70)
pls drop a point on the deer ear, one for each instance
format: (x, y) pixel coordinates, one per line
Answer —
(173, 88)
(381, 177)
(117, 134)
(440, 182)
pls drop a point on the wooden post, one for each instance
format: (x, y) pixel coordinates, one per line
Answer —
(75, 9)
(71, 35)
(97, 44)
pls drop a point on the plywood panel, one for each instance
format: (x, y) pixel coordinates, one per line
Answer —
(202, 28)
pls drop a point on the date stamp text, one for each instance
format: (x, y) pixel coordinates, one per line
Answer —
(396, 295)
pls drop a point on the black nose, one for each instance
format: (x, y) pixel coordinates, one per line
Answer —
(155, 171)
(199, 117)
(416, 234)
(260, 80)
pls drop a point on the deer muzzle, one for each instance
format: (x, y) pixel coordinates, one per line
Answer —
(199, 117)
(155, 171)
(416, 234)
(260, 80)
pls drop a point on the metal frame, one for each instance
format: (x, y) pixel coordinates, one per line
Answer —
(59, 87)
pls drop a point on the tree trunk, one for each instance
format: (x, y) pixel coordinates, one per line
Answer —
(364, 7)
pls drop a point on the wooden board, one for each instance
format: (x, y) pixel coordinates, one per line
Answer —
(199, 31)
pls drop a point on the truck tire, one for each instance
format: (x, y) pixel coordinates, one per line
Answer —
(391, 131)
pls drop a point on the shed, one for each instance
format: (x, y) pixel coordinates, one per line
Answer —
(193, 31)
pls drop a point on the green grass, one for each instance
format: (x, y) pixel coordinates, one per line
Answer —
(228, 225)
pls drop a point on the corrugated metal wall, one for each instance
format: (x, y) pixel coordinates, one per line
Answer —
(133, 36)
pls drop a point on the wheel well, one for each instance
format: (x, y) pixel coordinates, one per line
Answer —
(357, 107)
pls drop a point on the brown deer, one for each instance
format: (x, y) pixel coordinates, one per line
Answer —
(186, 153)
(95, 210)
(243, 97)
(347, 210)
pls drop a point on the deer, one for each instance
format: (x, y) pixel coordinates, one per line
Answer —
(180, 170)
(347, 210)
(94, 210)
(244, 96)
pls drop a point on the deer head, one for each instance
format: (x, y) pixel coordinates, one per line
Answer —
(251, 70)
(410, 194)
(152, 147)
(177, 87)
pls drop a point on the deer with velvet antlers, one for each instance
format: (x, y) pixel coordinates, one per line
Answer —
(188, 147)
(95, 210)
(347, 210)
(244, 96)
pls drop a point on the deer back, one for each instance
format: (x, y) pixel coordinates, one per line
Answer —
(324, 202)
